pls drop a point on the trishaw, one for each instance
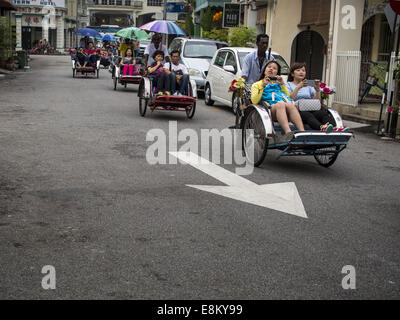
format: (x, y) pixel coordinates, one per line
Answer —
(84, 71)
(124, 80)
(260, 134)
(147, 98)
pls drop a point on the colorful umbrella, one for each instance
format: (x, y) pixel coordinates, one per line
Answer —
(108, 37)
(163, 26)
(133, 33)
(88, 32)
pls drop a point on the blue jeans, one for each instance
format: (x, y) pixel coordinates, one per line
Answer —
(173, 85)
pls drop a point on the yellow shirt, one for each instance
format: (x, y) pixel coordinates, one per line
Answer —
(123, 47)
(257, 91)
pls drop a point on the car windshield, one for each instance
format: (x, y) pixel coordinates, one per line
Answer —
(284, 66)
(199, 49)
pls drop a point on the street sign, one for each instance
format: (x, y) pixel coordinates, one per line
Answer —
(282, 197)
(231, 15)
(395, 4)
(176, 7)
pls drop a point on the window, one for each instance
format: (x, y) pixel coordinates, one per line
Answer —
(220, 58)
(385, 41)
(175, 45)
(154, 3)
(127, 2)
(231, 60)
(111, 2)
(241, 56)
(104, 2)
(315, 12)
(199, 49)
(119, 2)
(284, 66)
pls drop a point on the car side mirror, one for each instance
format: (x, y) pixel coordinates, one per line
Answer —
(230, 69)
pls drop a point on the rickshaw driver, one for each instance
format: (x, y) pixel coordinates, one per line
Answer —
(255, 62)
(152, 47)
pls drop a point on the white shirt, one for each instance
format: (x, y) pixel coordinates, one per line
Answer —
(150, 50)
(175, 67)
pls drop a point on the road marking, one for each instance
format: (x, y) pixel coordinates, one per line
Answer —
(278, 196)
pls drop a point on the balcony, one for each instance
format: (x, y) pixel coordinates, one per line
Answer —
(202, 4)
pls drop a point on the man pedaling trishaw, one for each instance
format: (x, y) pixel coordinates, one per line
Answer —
(267, 108)
(167, 86)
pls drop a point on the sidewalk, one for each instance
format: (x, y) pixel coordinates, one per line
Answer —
(367, 113)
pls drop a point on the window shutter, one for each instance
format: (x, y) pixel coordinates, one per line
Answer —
(315, 12)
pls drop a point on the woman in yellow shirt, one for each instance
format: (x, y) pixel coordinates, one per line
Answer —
(272, 90)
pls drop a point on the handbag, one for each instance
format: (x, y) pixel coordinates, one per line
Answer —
(308, 104)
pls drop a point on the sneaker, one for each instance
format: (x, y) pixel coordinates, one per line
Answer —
(285, 137)
(160, 93)
(175, 93)
(167, 93)
(342, 129)
(327, 127)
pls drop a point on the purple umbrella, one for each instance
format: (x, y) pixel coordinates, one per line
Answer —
(163, 26)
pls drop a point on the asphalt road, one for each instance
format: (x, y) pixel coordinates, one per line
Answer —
(77, 193)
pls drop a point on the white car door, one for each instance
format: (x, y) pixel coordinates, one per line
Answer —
(217, 85)
(227, 76)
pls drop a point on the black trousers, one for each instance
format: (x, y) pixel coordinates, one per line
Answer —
(316, 118)
(159, 82)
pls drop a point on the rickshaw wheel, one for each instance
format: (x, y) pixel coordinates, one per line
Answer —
(143, 105)
(125, 84)
(258, 138)
(190, 113)
(235, 104)
(326, 160)
(115, 83)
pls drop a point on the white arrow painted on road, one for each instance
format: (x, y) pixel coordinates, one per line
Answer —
(278, 196)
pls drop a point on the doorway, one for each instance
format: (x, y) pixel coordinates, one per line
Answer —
(308, 47)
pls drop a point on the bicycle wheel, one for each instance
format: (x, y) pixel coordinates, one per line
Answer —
(190, 112)
(326, 156)
(254, 139)
(365, 93)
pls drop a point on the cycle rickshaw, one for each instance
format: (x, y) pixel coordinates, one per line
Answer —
(84, 71)
(260, 134)
(148, 98)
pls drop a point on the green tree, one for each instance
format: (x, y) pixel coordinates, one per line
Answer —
(206, 19)
(5, 39)
(189, 26)
(242, 36)
(217, 34)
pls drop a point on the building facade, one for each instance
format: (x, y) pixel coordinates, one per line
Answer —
(336, 38)
(37, 19)
(124, 13)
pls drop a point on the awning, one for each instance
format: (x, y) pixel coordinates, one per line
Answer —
(315, 12)
(7, 5)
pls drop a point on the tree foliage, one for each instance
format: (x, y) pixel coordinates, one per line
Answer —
(189, 26)
(5, 39)
(242, 36)
(206, 19)
(217, 34)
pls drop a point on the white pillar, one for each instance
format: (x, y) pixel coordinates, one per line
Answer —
(60, 33)
(18, 25)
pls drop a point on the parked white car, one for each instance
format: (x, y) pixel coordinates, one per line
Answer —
(226, 66)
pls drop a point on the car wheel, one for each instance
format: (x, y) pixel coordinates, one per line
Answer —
(207, 96)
